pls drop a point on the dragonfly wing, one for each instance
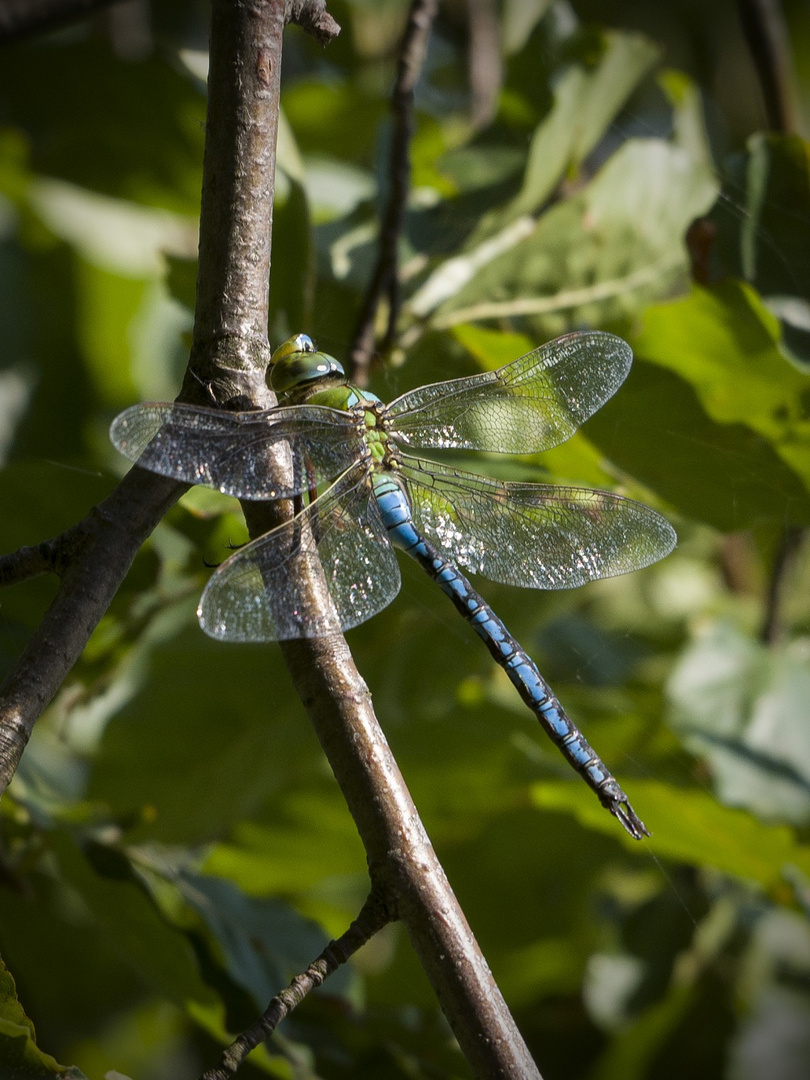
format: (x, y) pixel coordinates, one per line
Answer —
(256, 595)
(232, 451)
(533, 535)
(532, 404)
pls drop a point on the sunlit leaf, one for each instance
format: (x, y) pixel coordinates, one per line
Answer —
(20, 1057)
(764, 228)
(688, 825)
(746, 708)
(599, 255)
(725, 343)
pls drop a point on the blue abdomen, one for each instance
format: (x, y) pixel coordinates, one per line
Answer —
(395, 509)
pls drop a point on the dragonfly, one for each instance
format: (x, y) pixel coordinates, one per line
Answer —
(359, 491)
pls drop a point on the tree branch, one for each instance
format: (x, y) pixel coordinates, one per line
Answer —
(385, 279)
(227, 367)
(97, 552)
(230, 352)
(484, 65)
(314, 18)
(402, 860)
(372, 918)
(764, 28)
(783, 563)
(29, 561)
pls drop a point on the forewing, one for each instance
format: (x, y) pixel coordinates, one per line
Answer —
(256, 595)
(233, 451)
(533, 535)
(532, 404)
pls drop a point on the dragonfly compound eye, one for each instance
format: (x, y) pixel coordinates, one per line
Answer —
(297, 362)
(300, 343)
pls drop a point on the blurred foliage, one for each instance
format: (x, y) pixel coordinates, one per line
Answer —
(173, 848)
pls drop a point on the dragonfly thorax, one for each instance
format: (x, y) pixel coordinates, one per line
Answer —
(302, 374)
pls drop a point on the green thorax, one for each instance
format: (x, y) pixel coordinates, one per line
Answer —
(300, 374)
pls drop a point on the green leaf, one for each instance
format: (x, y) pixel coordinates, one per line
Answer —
(518, 20)
(725, 475)
(262, 942)
(689, 826)
(188, 744)
(746, 708)
(120, 908)
(725, 344)
(597, 256)
(20, 1057)
(322, 113)
(767, 240)
(587, 97)
(141, 139)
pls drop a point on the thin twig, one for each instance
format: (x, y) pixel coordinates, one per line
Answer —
(372, 918)
(784, 561)
(544, 305)
(484, 61)
(765, 31)
(385, 280)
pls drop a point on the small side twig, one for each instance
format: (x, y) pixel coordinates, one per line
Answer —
(373, 916)
(29, 561)
(312, 16)
(385, 281)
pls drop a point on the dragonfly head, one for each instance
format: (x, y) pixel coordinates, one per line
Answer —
(298, 362)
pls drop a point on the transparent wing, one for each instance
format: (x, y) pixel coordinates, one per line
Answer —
(533, 535)
(529, 405)
(229, 450)
(256, 595)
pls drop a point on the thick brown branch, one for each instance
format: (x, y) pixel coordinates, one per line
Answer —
(385, 280)
(103, 546)
(372, 918)
(229, 355)
(230, 352)
(402, 860)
